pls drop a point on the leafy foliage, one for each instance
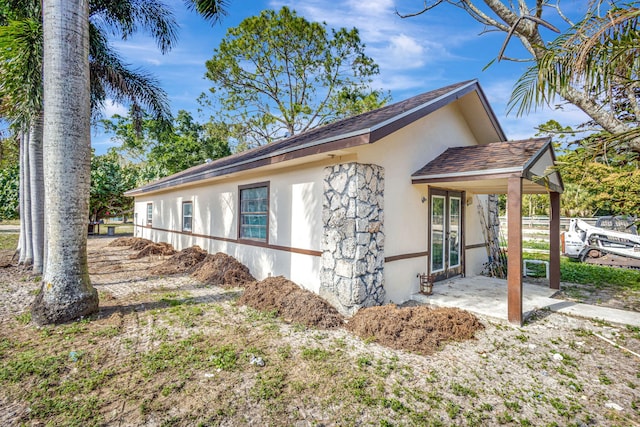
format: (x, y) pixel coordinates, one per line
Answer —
(164, 150)
(278, 74)
(608, 188)
(9, 184)
(111, 176)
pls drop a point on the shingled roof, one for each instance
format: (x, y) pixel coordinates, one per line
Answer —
(365, 128)
(496, 160)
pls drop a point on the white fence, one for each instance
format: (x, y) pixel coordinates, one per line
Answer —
(542, 222)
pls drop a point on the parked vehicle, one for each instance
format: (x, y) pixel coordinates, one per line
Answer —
(587, 242)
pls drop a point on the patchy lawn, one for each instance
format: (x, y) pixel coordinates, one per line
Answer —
(168, 350)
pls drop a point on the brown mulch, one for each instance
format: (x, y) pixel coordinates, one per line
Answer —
(184, 261)
(291, 302)
(419, 329)
(140, 243)
(222, 270)
(128, 241)
(152, 249)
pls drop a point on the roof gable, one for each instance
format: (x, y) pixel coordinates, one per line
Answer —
(365, 128)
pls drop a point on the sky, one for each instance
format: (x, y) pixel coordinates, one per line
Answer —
(415, 55)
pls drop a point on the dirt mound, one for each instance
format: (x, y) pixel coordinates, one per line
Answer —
(291, 302)
(140, 243)
(417, 329)
(160, 248)
(127, 241)
(223, 270)
(182, 262)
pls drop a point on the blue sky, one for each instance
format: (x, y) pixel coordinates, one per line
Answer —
(415, 55)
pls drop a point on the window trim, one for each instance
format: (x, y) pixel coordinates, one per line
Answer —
(191, 216)
(267, 185)
(149, 213)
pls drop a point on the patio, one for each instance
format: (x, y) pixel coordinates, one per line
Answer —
(487, 296)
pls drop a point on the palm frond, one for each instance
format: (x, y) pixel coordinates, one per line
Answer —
(211, 10)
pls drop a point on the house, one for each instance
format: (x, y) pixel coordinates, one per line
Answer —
(356, 209)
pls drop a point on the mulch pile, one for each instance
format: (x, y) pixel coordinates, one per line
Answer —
(127, 241)
(291, 303)
(184, 261)
(418, 329)
(149, 249)
(222, 270)
(145, 247)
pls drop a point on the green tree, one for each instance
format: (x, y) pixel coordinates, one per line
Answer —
(166, 150)
(599, 178)
(278, 74)
(111, 176)
(21, 87)
(598, 53)
(9, 183)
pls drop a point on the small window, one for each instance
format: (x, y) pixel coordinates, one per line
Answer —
(187, 216)
(149, 213)
(254, 212)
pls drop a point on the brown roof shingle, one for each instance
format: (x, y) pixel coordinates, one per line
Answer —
(364, 128)
(483, 158)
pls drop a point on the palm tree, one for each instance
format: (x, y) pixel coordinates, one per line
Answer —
(600, 54)
(21, 59)
(66, 291)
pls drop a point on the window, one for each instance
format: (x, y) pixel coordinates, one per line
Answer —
(149, 213)
(187, 216)
(254, 212)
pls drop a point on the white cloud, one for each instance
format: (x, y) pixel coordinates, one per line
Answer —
(110, 108)
(402, 52)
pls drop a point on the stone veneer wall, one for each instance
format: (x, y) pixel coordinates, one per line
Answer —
(352, 264)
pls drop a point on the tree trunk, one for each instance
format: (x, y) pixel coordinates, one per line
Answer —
(27, 259)
(36, 180)
(20, 248)
(66, 291)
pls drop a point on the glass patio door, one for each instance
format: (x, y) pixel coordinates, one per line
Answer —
(445, 234)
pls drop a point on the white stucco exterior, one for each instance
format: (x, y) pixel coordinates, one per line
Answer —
(295, 229)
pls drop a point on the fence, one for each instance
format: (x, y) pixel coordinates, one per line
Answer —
(542, 222)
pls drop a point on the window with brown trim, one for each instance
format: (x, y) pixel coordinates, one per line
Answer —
(254, 212)
(149, 213)
(187, 216)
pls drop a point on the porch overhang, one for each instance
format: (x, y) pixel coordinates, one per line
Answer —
(513, 168)
(486, 169)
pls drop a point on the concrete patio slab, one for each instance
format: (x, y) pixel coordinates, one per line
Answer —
(487, 296)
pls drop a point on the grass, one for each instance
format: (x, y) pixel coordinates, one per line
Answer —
(120, 229)
(82, 373)
(9, 241)
(600, 276)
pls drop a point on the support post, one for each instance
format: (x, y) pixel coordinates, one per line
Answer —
(514, 249)
(554, 241)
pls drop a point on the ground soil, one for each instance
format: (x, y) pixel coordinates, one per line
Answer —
(170, 350)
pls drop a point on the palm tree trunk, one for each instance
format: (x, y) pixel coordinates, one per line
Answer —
(25, 217)
(20, 248)
(36, 181)
(66, 291)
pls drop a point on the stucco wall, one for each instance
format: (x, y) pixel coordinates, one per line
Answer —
(406, 215)
(294, 222)
(296, 208)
